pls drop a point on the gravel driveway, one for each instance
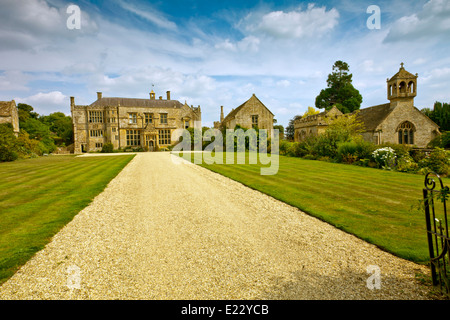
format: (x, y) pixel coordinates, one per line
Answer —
(178, 231)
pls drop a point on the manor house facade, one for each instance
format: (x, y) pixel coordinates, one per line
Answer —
(398, 121)
(130, 123)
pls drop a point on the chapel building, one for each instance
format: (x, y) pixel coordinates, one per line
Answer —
(397, 122)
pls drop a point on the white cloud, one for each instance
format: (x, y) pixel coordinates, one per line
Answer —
(431, 22)
(283, 83)
(310, 23)
(149, 14)
(14, 80)
(138, 83)
(34, 24)
(45, 103)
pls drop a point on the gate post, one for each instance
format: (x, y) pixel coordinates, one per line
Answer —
(429, 236)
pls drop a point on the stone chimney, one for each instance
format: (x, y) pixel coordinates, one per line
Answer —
(72, 101)
(160, 97)
(221, 114)
(168, 95)
(99, 95)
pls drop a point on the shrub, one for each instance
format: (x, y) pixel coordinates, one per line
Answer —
(107, 148)
(406, 164)
(347, 152)
(26, 147)
(349, 158)
(437, 161)
(441, 141)
(326, 146)
(284, 146)
(352, 151)
(400, 150)
(8, 143)
(364, 149)
(385, 158)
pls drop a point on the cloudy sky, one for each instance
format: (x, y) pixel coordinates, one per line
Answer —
(213, 53)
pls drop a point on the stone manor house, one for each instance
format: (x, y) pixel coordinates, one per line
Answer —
(129, 122)
(398, 121)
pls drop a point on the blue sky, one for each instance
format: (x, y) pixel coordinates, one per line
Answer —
(214, 53)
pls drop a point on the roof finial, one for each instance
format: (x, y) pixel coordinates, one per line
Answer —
(401, 64)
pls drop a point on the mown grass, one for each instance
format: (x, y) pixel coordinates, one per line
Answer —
(39, 196)
(378, 206)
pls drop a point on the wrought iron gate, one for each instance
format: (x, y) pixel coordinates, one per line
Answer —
(435, 201)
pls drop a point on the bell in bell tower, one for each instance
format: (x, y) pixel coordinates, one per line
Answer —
(402, 87)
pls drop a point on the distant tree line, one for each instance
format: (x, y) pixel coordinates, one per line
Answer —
(38, 134)
(440, 114)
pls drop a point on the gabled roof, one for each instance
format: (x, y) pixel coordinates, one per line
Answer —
(132, 102)
(233, 112)
(403, 74)
(372, 117)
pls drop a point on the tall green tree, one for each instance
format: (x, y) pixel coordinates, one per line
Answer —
(61, 125)
(440, 115)
(290, 130)
(340, 91)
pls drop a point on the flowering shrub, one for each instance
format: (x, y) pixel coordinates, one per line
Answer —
(385, 158)
(406, 164)
(437, 161)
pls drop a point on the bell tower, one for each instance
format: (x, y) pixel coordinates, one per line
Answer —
(402, 87)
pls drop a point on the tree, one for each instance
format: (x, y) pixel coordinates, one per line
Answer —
(290, 130)
(340, 91)
(340, 130)
(61, 125)
(26, 112)
(280, 131)
(440, 115)
(41, 132)
(310, 112)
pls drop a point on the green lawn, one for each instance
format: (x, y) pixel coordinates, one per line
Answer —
(373, 204)
(39, 196)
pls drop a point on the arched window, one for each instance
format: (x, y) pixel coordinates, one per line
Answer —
(411, 88)
(402, 87)
(406, 133)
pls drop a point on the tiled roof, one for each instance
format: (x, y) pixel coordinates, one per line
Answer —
(373, 116)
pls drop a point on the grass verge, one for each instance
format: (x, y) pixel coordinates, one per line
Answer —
(39, 196)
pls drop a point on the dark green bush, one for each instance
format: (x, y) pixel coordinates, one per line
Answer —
(8, 143)
(107, 148)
